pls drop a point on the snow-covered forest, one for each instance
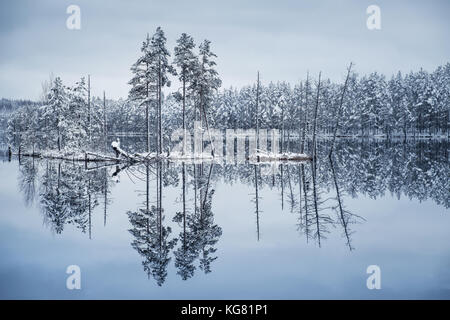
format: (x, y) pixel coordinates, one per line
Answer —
(70, 118)
(7, 109)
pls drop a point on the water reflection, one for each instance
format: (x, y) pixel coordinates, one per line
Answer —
(68, 192)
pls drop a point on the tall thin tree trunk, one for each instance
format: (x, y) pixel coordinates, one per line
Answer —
(338, 114)
(207, 188)
(147, 188)
(300, 193)
(90, 207)
(305, 121)
(316, 208)
(305, 196)
(282, 130)
(160, 201)
(184, 115)
(256, 202)
(147, 111)
(209, 133)
(300, 118)
(257, 113)
(89, 108)
(106, 196)
(282, 188)
(195, 189)
(105, 125)
(184, 205)
(340, 206)
(159, 106)
(315, 120)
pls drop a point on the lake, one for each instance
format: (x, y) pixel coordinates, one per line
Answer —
(174, 230)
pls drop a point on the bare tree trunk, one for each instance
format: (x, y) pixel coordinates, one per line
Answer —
(300, 193)
(159, 109)
(257, 202)
(338, 114)
(184, 116)
(291, 193)
(90, 207)
(341, 210)
(316, 209)
(257, 113)
(59, 140)
(184, 205)
(207, 187)
(209, 133)
(147, 111)
(300, 117)
(195, 189)
(160, 201)
(282, 188)
(302, 147)
(105, 186)
(305, 196)
(282, 130)
(105, 125)
(315, 120)
(89, 108)
(147, 188)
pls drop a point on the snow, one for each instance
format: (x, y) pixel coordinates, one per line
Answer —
(72, 155)
(286, 156)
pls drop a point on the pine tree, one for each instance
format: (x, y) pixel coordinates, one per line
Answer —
(186, 61)
(56, 112)
(77, 134)
(161, 68)
(206, 80)
(143, 81)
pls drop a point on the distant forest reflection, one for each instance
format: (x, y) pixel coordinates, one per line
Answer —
(68, 192)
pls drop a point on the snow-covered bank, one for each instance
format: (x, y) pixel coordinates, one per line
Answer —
(287, 156)
(260, 156)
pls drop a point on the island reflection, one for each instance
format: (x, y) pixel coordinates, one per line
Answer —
(68, 192)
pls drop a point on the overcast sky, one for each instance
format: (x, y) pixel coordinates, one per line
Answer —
(282, 39)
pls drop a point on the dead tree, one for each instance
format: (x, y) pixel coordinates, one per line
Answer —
(256, 201)
(257, 113)
(339, 111)
(305, 120)
(315, 120)
(89, 108)
(105, 127)
(345, 217)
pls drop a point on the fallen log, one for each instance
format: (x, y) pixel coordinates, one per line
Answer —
(81, 156)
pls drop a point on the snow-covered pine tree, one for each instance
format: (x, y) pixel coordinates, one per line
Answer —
(206, 80)
(23, 128)
(397, 101)
(77, 133)
(441, 84)
(143, 83)
(55, 114)
(186, 61)
(161, 68)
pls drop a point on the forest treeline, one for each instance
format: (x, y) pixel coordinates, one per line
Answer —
(69, 117)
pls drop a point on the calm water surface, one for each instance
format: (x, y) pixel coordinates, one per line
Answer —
(231, 231)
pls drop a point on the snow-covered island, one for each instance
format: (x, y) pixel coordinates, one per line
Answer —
(69, 123)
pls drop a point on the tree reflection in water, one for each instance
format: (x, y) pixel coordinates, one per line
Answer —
(68, 192)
